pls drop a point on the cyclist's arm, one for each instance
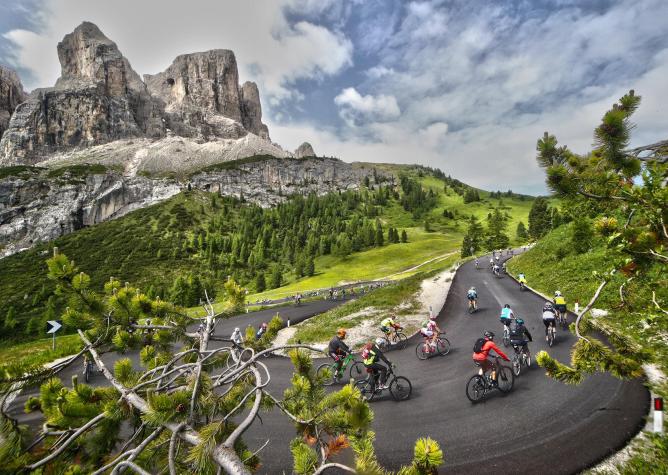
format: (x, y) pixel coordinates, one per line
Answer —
(499, 352)
(382, 357)
(526, 332)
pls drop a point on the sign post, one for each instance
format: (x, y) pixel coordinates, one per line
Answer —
(52, 326)
(658, 415)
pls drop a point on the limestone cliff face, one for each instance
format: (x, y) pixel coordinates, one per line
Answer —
(99, 98)
(11, 95)
(35, 208)
(304, 150)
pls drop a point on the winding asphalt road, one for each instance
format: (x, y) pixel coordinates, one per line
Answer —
(542, 426)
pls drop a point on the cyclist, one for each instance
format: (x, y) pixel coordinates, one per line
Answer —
(495, 269)
(476, 263)
(549, 317)
(480, 357)
(387, 325)
(491, 262)
(430, 331)
(338, 350)
(472, 295)
(560, 303)
(506, 316)
(261, 331)
(522, 278)
(517, 335)
(370, 356)
(236, 337)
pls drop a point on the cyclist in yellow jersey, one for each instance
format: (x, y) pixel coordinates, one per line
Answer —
(560, 303)
(388, 324)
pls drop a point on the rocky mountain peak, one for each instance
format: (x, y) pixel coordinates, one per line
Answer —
(87, 54)
(305, 150)
(11, 95)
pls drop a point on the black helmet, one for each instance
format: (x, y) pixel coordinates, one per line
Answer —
(489, 335)
(506, 306)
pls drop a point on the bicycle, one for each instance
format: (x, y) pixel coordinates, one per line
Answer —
(522, 358)
(88, 369)
(561, 319)
(523, 286)
(399, 386)
(506, 335)
(329, 374)
(473, 306)
(478, 386)
(425, 350)
(551, 333)
(395, 339)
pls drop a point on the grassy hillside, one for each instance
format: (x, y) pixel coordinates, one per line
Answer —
(553, 265)
(206, 237)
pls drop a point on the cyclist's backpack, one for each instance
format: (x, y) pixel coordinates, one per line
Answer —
(479, 343)
(517, 333)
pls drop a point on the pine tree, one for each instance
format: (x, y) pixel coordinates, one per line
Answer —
(310, 267)
(539, 218)
(473, 239)
(379, 233)
(299, 267)
(521, 232)
(276, 277)
(260, 283)
(10, 319)
(404, 236)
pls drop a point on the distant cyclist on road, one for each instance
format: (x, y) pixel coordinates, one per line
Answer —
(371, 354)
(495, 269)
(261, 331)
(506, 316)
(522, 278)
(472, 295)
(549, 317)
(388, 324)
(430, 330)
(560, 303)
(485, 345)
(518, 334)
(338, 350)
(476, 263)
(236, 337)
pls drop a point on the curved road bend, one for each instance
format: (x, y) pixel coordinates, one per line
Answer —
(542, 426)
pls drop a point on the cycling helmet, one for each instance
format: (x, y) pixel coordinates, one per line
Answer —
(264, 324)
(432, 317)
(548, 306)
(489, 335)
(557, 293)
(473, 289)
(506, 306)
(341, 333)
(380, 342)
(519, 321)
(236, 330)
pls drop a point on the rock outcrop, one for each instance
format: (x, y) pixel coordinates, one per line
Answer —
(304, 150)
(11, 95)
(99, 99)
(36, 207)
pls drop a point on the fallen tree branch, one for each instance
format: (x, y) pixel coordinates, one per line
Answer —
(91, 423)
(172, 449)
(130, 465)
(657, 303)
(586, 309)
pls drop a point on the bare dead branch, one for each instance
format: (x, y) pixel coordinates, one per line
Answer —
(657, 303)
(172, 449)
(329, 465)
(130, 465)
(587, 308)
(91, 423)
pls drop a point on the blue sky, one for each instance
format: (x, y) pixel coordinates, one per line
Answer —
(465, 86)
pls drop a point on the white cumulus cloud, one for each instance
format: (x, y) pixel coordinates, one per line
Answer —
(354, 107)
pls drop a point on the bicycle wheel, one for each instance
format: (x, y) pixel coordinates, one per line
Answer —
(517, 365)
(422, 351)
(87, 373)
(357, 369)
(527, 359)
(505, 379)
(366, 388)
(564, 323)
(326, 372)
(550, 336)
(475, 388)
(443, 346)
(506, 338)
(399, 340)
(401, 388)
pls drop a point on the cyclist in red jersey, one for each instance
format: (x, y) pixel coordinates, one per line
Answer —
(481, 356)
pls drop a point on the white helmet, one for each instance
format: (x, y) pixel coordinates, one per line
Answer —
(236, 330)
(380, 342)
(557, 293)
